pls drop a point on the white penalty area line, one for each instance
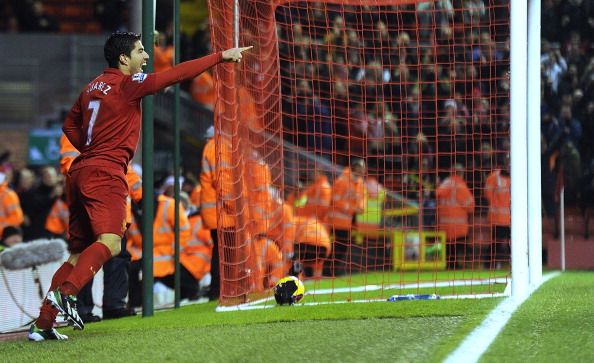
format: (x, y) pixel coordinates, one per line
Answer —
(257, 304)
(479, 340)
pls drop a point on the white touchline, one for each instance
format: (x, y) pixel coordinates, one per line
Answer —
(477, 343)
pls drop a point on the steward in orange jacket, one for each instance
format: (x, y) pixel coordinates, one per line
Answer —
(57, 219)
(498, 194)
(203, 90)
(163, 236)
(164, 249)
(312, 243)
(213, 177)
(263, 208)
(11, 213)
(218, 181)
(269, 215)
(268, 264)
(348, 199)
(283, 233)
(455, 204)
(315, 200)
(197, 255)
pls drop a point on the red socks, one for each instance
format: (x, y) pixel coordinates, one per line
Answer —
(47, 314)
(70, 279)
(89, 262)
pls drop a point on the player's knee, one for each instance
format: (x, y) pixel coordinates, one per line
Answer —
(112, 241)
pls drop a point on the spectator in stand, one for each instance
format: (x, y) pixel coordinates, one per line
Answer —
(455, 206)
(587, 118)
(110, 14)
(554, 66)
(314, 117)
(163, 53)
(33, 18)
(550, 21)
(37, 203)
(572, 128)
(11, 236)
(575, 15)
(498, 194)
(586, 202)
(451, 137)
(11, 213)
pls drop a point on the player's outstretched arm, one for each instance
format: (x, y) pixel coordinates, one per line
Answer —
(156, 81)
(234, 54)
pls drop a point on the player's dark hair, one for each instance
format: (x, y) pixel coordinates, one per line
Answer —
(117, 44)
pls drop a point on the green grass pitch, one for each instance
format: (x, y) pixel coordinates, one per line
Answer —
(556, 324)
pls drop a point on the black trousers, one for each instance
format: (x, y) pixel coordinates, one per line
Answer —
(339, 263)
(499, 249)
(115, 284)
(215, 275)
(233, 257)
(188, 284)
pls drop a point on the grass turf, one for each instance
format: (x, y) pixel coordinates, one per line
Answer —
(403, 331)
(555, 325)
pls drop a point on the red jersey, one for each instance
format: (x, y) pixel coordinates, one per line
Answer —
(104, 123)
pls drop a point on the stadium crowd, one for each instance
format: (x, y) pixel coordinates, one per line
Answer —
(415, 101)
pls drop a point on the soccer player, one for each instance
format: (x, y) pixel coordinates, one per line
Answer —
(104, 125)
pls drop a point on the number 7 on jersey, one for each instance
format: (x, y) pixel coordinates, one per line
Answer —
(94, 106)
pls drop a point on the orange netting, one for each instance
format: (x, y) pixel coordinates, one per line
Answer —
(360, 137)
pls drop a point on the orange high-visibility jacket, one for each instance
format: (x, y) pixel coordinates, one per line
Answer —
(162, 58)
(310, 231)
(11, 213)
(195, 195)
(454, 204)
(265, 212)
(348, 198)
(498, 194)
(134, 192)
(248, 110)
(134, 241)
(57, 219)
(283, 232)
(212, 179)
(268, 263)
(203, 90)
(67, 154)
(163, 236)
(197, 254)
(315, 200)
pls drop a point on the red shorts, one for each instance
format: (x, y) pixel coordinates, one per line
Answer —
(97, 197)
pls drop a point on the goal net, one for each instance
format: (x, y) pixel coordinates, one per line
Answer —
(369, 142)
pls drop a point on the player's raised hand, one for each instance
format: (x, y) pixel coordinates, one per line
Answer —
(234, 54)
